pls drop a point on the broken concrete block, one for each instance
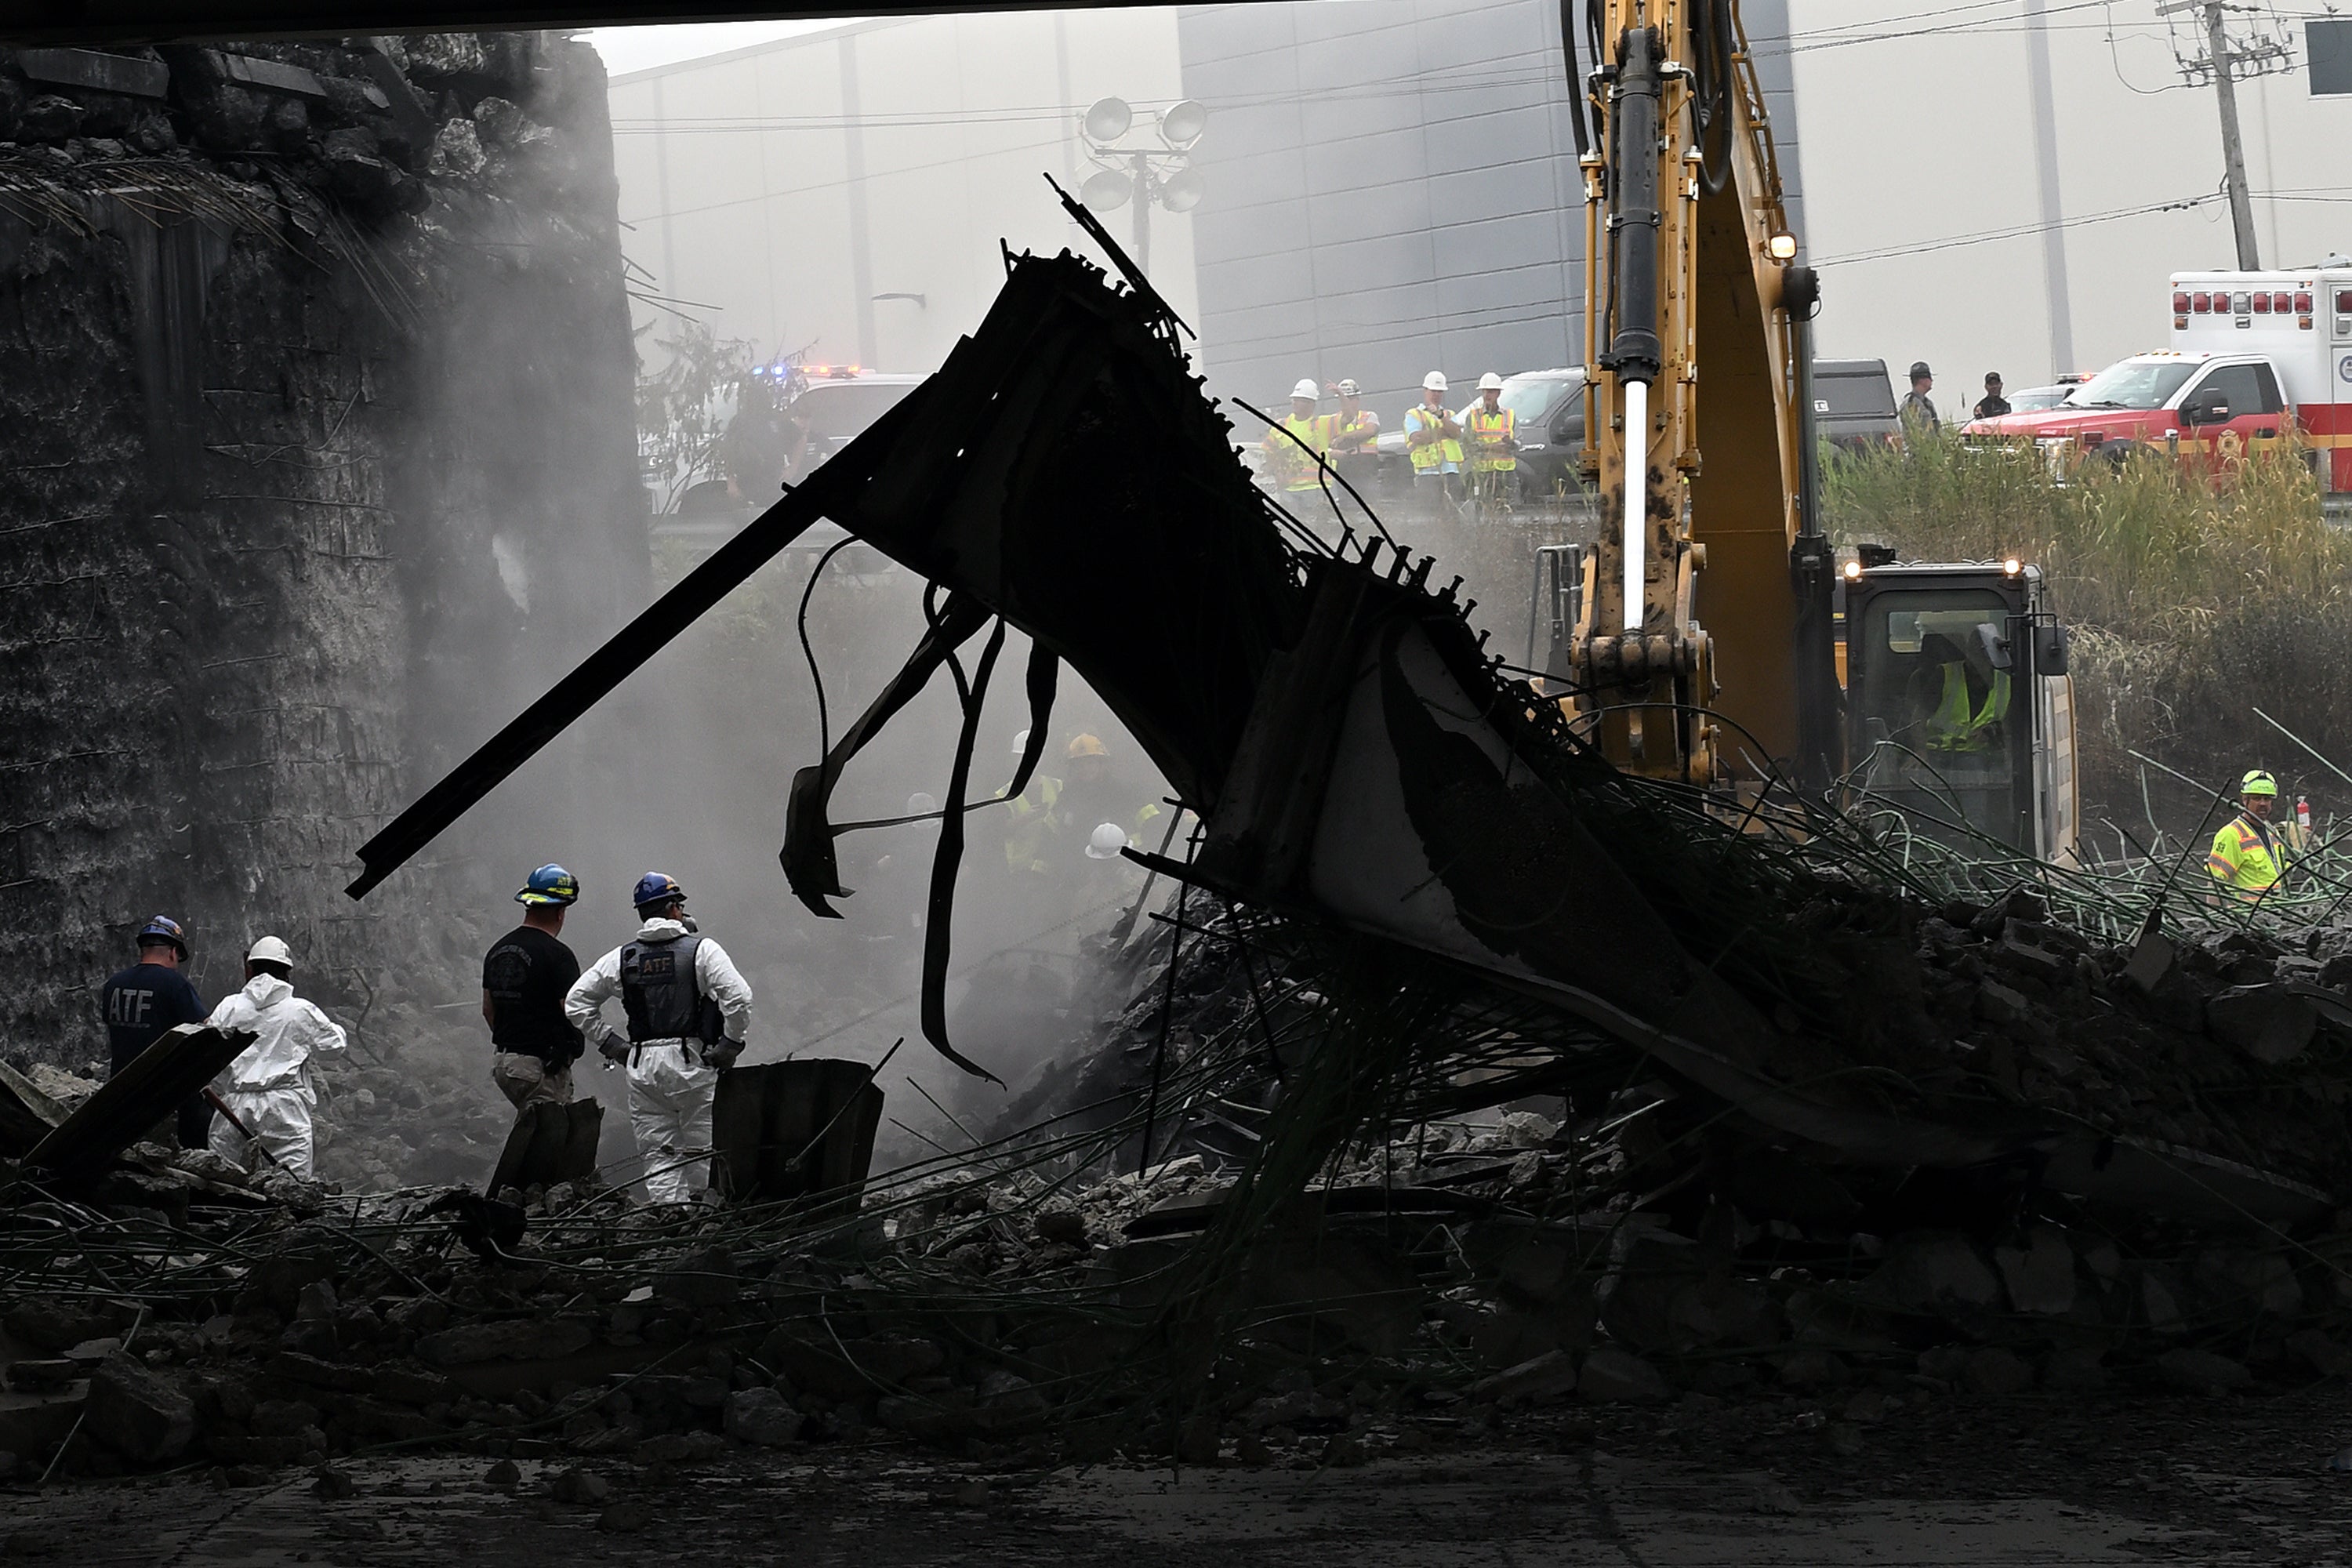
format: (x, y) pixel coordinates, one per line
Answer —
(1198, 1441)
(137, 1414)
(283, 1417)
(410, 1388)
(2039, 1274)
(1614, 1375)
(418, 1315)
(2151, 961)
(456, 150)
(1999, 1004)
(1993, 1370)
(2202, 1372)
(1930, 1271)
(2074, 1367)
(1671, 1294)
(2328, 1357)
(38, 1375)
(1506, 1338)
(1545, 1263)
(2271, 1023)
(2016, 953)
(341, 1376)
(1812, 1368)
(703, 1277)
(1009, 1399)
(1552, 1376)
(513, 1340)
(582, 1489)
(2159, 1299)
(47, 1327)
(945, 1416)
(2248, 1282)
(761, 1416)
(1061, 1223)
(1334, 1286)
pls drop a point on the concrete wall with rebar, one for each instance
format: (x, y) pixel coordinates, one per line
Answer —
(319, 448)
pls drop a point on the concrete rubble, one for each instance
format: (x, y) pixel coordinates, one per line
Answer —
(1312, 1188)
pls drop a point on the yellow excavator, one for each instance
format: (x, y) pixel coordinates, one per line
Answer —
(1707, 645)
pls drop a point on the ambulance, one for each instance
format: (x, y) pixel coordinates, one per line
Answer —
(2257, 359)
(2300, 323)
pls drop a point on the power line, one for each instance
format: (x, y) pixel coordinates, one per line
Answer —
(2018, 231)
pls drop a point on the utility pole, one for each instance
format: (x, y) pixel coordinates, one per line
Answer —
(2234, 150)
(2045, 171)
(2227, 64)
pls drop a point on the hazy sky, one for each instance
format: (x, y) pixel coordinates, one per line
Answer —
(642, 48)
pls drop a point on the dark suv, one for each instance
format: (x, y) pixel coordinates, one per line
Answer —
(1854, 403)
(1549, 405)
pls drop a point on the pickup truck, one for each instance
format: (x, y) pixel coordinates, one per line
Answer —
(2186, 403)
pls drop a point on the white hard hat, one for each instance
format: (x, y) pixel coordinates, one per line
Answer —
(1433, 382)
(1348, 389)
(1306, 389)
(1021, 742)
(270, 949)
(1106, 842)
(921, 803)
(1490, 382)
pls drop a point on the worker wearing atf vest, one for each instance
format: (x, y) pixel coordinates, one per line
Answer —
(1969, 704)
(147, 1001)
(688, 1008)
(2248, 857)
(1293, 445)
(1432, 438)
(1491, 431)
(1355, 430)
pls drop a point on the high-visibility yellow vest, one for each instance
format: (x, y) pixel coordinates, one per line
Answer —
(1956, 725)
(1298, 472)
(1433, 457)
(2246, 857)
(1366, 424)
(1037, 825)
(1498, 428)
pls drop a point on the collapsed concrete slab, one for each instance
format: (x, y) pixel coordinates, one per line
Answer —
(130, 1104)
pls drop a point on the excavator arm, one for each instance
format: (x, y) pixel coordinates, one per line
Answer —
(1703, 651)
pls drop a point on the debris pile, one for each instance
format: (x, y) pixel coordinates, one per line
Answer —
(1460, 1069)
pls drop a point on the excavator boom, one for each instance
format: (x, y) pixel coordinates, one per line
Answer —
(1708, 596)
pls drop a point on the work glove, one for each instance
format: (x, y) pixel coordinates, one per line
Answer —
(613, 1047)
(721, 1054)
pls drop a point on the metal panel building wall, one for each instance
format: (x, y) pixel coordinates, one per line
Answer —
(1392, 188)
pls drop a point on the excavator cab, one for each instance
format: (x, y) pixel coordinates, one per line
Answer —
(1959, 708)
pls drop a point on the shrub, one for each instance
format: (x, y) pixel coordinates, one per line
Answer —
(2195, 597)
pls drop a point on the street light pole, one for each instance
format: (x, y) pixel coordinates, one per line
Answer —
(1142, 213)
(1160, 176)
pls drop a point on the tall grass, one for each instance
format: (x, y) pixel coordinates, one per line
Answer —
(2195, 596)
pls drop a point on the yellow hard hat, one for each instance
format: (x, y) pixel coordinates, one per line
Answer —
(2258, 782)
(1087, 746)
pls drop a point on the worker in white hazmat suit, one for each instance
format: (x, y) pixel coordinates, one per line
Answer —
(688, 1008)
(270, 1087)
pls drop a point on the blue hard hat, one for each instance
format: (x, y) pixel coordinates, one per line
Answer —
(163, 928)
(658, 888)
(551, 884)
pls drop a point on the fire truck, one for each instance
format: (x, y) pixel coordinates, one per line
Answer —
(2256, 359)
